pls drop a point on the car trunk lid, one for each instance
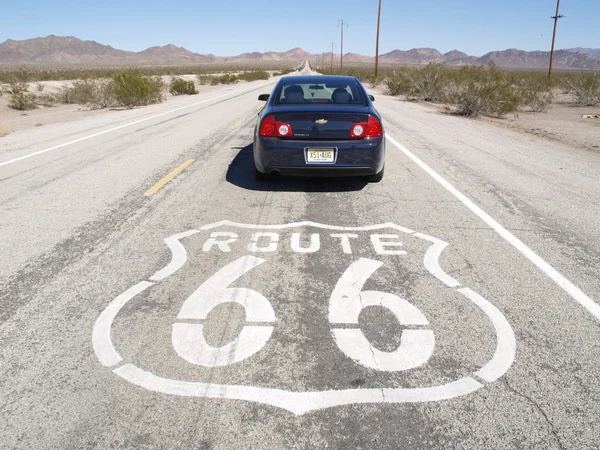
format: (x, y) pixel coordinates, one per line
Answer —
(322, 124)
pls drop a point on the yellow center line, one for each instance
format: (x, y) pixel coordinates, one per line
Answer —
(168, 178)
(238, 123)
(260, 107)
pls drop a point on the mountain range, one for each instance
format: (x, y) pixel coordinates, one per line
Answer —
(71, 50)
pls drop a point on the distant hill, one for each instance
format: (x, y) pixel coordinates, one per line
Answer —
(591, 52)
(539, 60)
(71, 50)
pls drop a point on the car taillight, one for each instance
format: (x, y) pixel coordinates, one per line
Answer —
(371, 128)
(270, 127)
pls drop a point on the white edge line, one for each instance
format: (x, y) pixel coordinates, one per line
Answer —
(103, 346)
(20, 158)
(506, 343)
(577, 294)
(178, 255)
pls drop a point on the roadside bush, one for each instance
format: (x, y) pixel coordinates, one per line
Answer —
(254, 75)
(484, 91)
(585, 88)
(105, 97)
(215, 80)
(81, 92)
(397, 83)
(46, 99)
(428, 83)
(536, 94)
(131, 90)
(180, 86)
(19, 97)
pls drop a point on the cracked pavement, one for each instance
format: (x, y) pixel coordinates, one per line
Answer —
(78, 232)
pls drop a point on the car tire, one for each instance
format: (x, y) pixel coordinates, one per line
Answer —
(376, 178)
(259, 176)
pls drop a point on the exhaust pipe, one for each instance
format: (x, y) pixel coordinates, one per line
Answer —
(274, 173)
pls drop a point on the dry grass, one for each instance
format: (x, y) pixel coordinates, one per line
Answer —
(4, 130)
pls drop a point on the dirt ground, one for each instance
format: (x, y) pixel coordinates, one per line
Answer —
(562, 122)
(12, 121)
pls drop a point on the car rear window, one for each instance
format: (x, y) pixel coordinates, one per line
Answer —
(342, 93)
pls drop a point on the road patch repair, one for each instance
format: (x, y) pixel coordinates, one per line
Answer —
(317, 318)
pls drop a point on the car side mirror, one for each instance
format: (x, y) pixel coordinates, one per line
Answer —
(263, 97)
(371, 98)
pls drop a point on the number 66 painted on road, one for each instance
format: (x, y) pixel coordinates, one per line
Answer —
(345, 305)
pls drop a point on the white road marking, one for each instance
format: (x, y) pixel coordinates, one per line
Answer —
(432, 260)
(297, 402)
(345, 241)
(577, 294)
(56, 147)
(101, 340)
(178, 255)
(188, 338)
(380, 244)
(222, 245)
(315, 243)
(270, 247)
(345, 305)
(506, 343)
(302, 402)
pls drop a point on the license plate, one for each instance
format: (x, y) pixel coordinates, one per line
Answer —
(320, 155)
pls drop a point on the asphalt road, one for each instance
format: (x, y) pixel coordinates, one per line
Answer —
(452, 305)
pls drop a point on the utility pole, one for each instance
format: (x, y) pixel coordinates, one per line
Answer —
(341, 25)
(332, 44)
(555, 17)
(377, 45)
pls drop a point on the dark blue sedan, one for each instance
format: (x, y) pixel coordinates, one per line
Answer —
(319, 126)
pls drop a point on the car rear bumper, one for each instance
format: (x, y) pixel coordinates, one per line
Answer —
(287, 157)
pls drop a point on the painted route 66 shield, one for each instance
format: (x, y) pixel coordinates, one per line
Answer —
(304, 316)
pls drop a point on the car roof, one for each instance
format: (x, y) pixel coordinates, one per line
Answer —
(318, 79)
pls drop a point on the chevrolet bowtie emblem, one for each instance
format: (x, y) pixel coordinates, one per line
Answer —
(321, 121)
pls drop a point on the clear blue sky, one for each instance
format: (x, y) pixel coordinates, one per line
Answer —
(230, 27)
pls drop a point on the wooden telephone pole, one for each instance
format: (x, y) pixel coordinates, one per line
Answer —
(555, 17)
(377, 44)
(341, 25)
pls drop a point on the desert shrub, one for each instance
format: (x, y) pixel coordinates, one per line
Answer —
(19, 96)
(585, 88)
(484, 91)
(227, 78)
(203, 79)
(535, 93)
(104, 97)
(81, 92)
(180, 86)
(46, 99)
(397, 83)
(254, 75)
(428, 83)
(131, 89)
(214, 80)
